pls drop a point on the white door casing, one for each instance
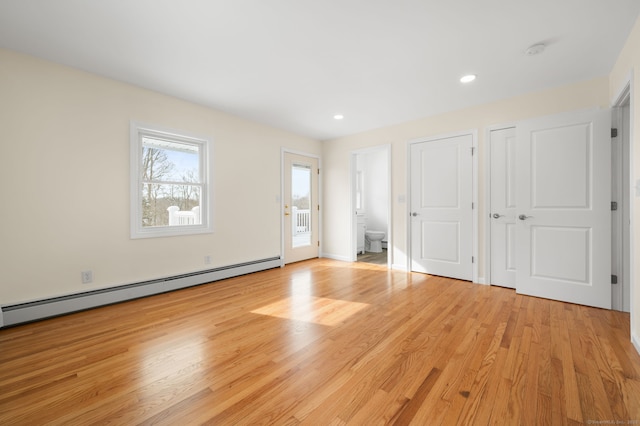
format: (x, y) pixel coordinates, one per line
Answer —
(563, 231)
(620, 219)
(441, 196)
(503, 207)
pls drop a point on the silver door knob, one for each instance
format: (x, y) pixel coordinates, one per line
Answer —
(524, 217)
(496, 215)
(414, 214)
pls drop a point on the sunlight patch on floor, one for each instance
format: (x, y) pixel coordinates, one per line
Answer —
(318, 310)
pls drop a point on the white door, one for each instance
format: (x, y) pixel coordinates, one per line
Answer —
(441, 173)
(503, 207)
(563, 231)
(300, 207)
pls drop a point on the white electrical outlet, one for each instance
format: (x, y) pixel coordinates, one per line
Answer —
(87, 277)
(207, 260)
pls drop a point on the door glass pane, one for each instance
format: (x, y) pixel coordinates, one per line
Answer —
(301, 205)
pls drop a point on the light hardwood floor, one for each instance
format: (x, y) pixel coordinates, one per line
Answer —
(324, 343)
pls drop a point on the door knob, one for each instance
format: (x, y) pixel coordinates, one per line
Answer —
(524, 217)
(287, 213)
(414, 214)
(496, 215)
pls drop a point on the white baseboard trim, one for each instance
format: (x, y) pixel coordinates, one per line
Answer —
(481, 281)
(336, 257)
(31, 311)
(636, 342)
(399, 267)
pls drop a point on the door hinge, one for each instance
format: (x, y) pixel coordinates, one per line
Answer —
(318, 243)
(614, 279)
(318, 207)
(614, 205)
(473, 206)
(473, 150)
(318, 171)
(473, 259)
(614, 133)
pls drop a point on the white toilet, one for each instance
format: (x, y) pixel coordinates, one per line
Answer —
(373, 241)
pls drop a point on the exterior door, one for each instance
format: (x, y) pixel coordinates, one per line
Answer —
(300, 207)
(441, 180)
(503, 207)
(563, 230)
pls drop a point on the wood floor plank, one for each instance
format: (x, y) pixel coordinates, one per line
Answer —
(481, 399)
(324, 342)
(529, 410)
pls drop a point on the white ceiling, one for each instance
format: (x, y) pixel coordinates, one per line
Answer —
(293, 64)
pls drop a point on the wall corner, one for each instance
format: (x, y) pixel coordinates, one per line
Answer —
(636, 342)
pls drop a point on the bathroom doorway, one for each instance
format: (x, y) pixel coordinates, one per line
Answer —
(371, 238)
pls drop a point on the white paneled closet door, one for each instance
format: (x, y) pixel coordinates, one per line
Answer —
(503, 192)
(563, 225)
(441, 207)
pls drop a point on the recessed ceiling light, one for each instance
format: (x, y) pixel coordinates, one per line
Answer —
(338, 116)
(468, 78)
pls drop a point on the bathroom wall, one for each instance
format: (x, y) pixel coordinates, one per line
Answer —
(376, 190)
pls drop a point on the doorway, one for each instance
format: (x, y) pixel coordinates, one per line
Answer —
(371, 205)
(300, 207)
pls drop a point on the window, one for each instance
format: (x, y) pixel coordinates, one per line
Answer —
(169, 183)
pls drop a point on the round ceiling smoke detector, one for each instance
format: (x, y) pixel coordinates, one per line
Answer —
(535, 49)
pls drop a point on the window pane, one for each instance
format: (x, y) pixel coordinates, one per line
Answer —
(301, 208)
(170, 205)
(169, 161)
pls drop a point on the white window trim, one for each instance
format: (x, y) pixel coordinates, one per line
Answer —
(137, 131)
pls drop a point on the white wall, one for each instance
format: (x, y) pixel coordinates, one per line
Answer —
(64, 167)
(376, 185)
(588, 94)
(628, 65)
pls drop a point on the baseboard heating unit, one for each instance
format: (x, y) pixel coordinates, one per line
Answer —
(45, 308)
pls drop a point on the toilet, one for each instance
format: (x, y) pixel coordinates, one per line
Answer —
(373, 241)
